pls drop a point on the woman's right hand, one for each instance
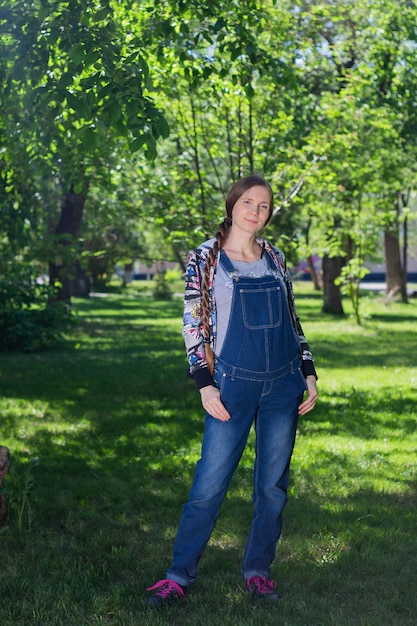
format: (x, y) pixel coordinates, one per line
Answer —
(210, 399)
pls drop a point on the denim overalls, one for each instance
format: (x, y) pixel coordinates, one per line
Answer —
(260, 380)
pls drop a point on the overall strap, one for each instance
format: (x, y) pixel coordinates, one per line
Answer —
(228, 265)
(276, 272)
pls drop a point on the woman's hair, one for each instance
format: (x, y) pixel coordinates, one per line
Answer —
(236, 191)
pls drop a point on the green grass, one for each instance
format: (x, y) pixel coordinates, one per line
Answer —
(117, 426)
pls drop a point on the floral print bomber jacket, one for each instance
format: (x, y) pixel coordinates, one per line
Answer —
(193, 323)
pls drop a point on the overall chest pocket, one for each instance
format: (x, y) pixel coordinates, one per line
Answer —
(261, 308)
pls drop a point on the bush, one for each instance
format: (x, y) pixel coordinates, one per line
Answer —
(161, 287)
(27, 321)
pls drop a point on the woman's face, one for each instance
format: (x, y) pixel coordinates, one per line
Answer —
(251, 211)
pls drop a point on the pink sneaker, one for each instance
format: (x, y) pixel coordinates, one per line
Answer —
(169, 592)
(261, 588)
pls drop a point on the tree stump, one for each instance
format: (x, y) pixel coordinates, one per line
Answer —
(4, 467)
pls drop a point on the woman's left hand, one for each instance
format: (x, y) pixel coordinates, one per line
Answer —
(310, 402)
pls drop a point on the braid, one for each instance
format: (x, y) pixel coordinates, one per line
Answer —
(221, 237)
(236, 191)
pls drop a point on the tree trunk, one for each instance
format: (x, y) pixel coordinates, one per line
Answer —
(396, 281)
(313, 273)
(405, 249)
(62, 271)
(332, 296)
(180, 258)
(315, 277)
(80, 283)
(4, 467)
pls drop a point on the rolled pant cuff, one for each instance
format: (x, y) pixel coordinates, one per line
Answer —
(177, 578)
(255, 572)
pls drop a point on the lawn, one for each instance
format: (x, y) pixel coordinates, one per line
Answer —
(104, 433)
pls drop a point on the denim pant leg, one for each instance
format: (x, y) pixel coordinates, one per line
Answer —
(276, 425)
(222, 448)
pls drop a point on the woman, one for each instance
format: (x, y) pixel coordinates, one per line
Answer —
(252, 364)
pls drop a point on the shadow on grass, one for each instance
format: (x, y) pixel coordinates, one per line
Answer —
(362, 414)
(117, 427)
(357, 550)
(118, 307)
(377, 350)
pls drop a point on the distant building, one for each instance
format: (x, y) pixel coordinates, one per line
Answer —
(376, 270)
(143, 271)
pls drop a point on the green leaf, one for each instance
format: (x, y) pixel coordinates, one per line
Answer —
(107, 89)
(162, 126)
(72, 101)
(92, 57)
(219, 25)
(76, 53)
(102, 15)
(90, 139)
(150, 151)
(249, 91)
(144, 71)
(120, 128)
(91, 98)
(78, 187)
(137, 143)
(115, 112)
(65, 80)
(84, 110)
(132, 108)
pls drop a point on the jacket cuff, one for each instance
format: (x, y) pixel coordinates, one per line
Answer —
(202, 377)
(308, 369)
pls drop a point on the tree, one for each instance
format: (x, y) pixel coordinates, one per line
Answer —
(74, 93)
(394, 80)
(351, 54)
(110, 234)
(314, 95)
(228, 92)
